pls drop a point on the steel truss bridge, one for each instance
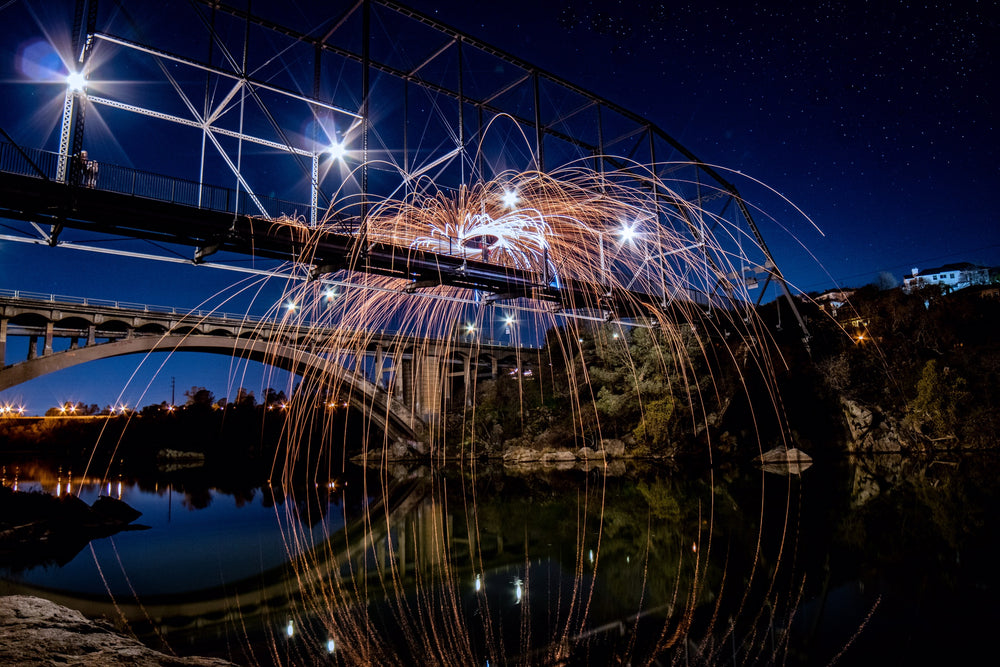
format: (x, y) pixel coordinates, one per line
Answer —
(323, 112)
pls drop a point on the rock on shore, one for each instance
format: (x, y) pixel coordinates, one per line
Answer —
(34, 631)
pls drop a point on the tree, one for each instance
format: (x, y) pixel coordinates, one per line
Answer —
(272, 397)
(245, 398)
(199, 397)
(942, 397)
(886, 281)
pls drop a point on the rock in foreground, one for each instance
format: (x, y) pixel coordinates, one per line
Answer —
(38, 632)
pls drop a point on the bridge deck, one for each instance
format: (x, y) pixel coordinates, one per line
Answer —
(28, 193)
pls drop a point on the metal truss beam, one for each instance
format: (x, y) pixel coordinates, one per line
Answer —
(223, 73)
(193, 123)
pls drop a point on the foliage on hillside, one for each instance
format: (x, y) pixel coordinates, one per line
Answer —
(929, 359)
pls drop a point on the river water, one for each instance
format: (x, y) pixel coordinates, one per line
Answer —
(863, 561)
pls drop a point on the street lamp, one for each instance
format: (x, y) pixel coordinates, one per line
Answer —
(627, 234)
(76, 81)
(337, 150)
(510, 198)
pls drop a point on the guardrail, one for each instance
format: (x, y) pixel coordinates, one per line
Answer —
(123, 305)
(40, 297)
(110, 177)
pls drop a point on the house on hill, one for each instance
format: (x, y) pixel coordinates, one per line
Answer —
(950, 277)
(833, 300)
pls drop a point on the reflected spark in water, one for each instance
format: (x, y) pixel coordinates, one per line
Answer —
(623, 259)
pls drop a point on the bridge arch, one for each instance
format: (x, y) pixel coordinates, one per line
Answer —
(111, 328)
(397, 420)
(74, 321)
(151, 328)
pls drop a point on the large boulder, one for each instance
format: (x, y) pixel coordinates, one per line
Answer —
(34, 631)
(521, 455)
(613, 447)
(871, 431)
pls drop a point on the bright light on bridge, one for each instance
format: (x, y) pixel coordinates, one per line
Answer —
(510, 198)
(76, 81)
(337, 150)
(627, 234)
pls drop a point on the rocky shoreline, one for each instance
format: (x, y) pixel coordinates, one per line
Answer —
(34, 631)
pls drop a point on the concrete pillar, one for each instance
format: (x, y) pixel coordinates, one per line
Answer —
(91, 335)
(446, 382)
(427, 389)
(48, 338)
(493, 367)
(3, 342)
(32, 347)
(74, 342)
(402, 382)
(379, 366)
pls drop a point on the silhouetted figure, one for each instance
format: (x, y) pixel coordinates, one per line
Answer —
(86, 170)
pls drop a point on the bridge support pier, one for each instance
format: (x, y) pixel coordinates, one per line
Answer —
(379, 369)
(32, 347)
(49, 326)
(3, 343)
(91, 335)
(74, 343)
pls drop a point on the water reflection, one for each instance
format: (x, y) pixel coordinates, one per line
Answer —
(482, 566)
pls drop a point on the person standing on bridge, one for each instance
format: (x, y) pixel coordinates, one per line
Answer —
(86, 170)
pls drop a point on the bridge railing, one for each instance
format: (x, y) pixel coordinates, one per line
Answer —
(109, 177)
(28, 161)
(24, 295)
(41, 297)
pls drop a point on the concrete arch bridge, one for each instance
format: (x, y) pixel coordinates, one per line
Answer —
(404, 381)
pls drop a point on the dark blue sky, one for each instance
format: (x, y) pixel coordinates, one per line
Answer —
(876, 119)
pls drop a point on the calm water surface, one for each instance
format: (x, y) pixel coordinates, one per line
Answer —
(867, 561)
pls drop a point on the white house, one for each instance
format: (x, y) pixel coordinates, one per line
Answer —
(949, 276)
(833, 300)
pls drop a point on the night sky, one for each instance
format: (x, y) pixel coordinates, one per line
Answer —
(876, 119)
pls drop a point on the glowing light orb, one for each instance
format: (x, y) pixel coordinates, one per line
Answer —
(76, 81)
(510, 198)
(337, 150)
(627, 234)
